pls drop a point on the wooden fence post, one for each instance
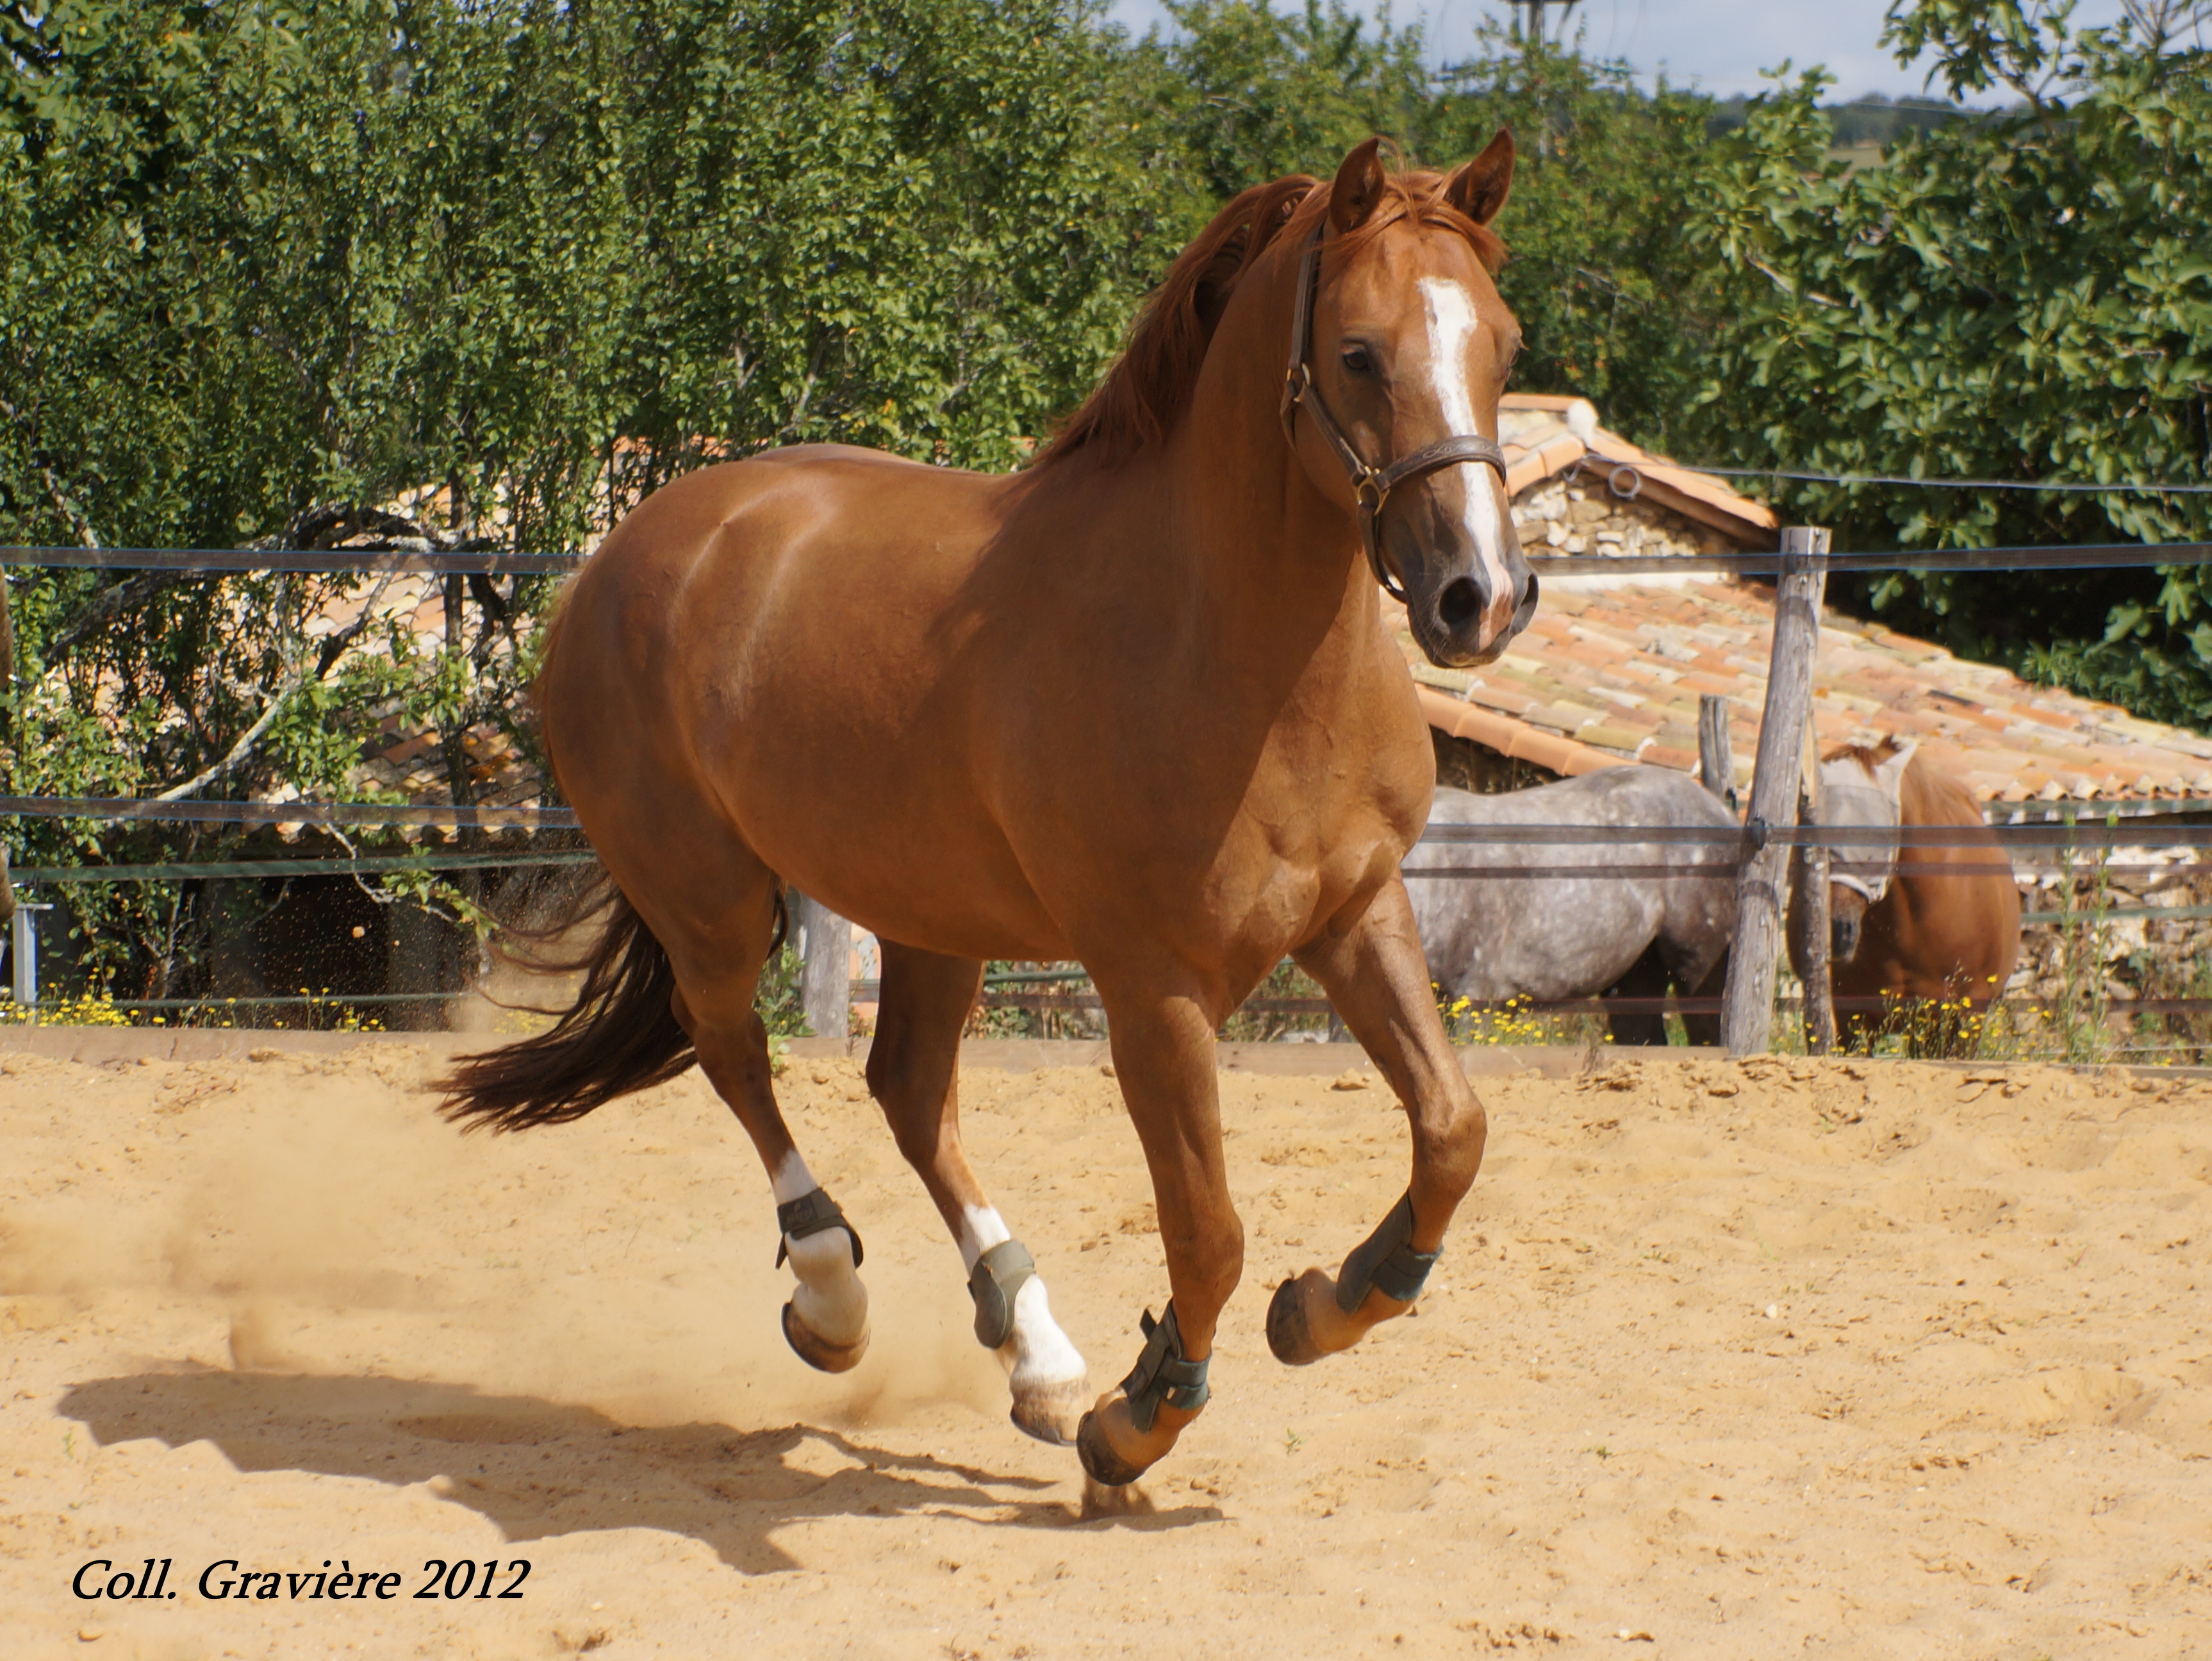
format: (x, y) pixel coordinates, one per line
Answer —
(7, 682)
(1715, 755)
(24, 954)
(1808, 919)
(825, 979)
(1747, 1012)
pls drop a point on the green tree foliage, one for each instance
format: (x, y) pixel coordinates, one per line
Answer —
(538, 255)
(1246, 93)
(268, 266)
(2023, 297)
(1616, 302)
(1613, 302)
(261, 257)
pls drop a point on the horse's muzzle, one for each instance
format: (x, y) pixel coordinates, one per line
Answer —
(1842, 939)
(1466, 624)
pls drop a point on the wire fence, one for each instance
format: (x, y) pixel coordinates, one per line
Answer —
(372, 865)
(217, 561)
(2060, 486)
(390, 815)
(2087, 834)
(2045, 854)
(333, 562)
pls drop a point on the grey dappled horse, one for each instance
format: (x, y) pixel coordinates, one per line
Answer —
(1493, 938)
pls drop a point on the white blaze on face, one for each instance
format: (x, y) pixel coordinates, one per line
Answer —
(1452, 326)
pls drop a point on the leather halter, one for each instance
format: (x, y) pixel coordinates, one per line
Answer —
(1370, 486)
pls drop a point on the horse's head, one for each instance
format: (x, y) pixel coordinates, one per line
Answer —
(1860, 789)
(1408, 347)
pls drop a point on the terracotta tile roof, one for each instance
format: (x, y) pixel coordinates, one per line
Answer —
(1611, 669)
(1561, 698)
(1546, 435)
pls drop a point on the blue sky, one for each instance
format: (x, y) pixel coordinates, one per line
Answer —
(1720, 45)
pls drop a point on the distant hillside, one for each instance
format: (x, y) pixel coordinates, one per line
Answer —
(1869, 122)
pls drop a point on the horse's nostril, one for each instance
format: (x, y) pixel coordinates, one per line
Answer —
(1460, 604)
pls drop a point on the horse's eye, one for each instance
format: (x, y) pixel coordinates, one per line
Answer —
(1359, 360)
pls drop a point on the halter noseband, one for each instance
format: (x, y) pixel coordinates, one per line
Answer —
(1370, 486)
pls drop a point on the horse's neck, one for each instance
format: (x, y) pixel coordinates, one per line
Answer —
(1273, 569)
(1925, 796)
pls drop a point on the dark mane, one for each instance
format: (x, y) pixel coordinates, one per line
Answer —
(1145, 392)
(1868, 756)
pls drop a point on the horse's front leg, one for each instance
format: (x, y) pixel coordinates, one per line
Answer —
(1163, 1043)
(1375, 974)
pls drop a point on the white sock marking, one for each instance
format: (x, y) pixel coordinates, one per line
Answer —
(830, 1296)
(1043, 1356)
(1452, 325)
(981, 1228)
(1039, 1354)
(792, 1178)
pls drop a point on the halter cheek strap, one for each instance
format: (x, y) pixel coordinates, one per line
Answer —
(1370, 485)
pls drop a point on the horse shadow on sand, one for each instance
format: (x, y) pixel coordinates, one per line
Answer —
(536, 1468)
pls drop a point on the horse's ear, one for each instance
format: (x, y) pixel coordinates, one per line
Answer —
(1358, 188)
(1480, 189)
(1889, 772)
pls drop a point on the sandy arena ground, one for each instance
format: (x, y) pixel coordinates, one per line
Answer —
(1733, 1360)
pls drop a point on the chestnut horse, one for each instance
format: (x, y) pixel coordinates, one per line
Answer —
(1133, 707)
(1906, 922)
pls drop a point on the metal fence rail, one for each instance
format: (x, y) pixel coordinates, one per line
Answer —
(338, 562)
(369, 865)
(398, 815)
(333, 561)
(2089, 833)
(2082, 846)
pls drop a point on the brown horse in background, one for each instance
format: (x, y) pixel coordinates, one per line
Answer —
(1133, 707)
(1910, 922)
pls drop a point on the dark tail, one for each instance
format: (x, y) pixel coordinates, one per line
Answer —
(620, 1036)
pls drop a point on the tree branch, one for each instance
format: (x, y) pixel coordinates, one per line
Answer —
(104, 606)
(238, 751)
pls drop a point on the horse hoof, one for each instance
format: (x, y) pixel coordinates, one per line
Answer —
(1052, 1414)
(818, 1352)
(1100, 1462)
(1289, 1334)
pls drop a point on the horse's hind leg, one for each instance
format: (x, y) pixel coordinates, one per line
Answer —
(1702, 1028)
(913, 1070)
(718, 936)
(1644, 978)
